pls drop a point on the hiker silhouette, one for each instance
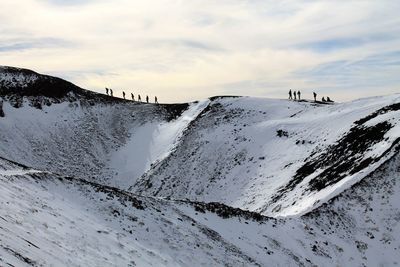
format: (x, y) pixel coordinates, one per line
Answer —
(298, 95)
(139, 98)
(294, 95)
(111, 92)
(147, 98)
(323, 99)
(315, 96)
(123, 94)
(290, 94)
(1, 108)
(133, 97)
(106, 90)
(155, 100)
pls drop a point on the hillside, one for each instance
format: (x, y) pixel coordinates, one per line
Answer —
(276, 157)
(87, 179)
(47, 219)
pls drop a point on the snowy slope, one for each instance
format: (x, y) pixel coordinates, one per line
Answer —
(52, 220)
(273, 156)
(277, 157)
(149, 144)
(83, 134)
(120, 183)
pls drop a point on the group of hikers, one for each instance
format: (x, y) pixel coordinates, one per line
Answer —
(292, 95)
(109, 92)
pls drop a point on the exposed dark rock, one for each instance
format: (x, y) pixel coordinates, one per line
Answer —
(225, 211)
(344, 158)
(381, 111)
(36, 85)
(221, 97)
(42, 90)
(20, 256)
(173, 111)
(282, 133)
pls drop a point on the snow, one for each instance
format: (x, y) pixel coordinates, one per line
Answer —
(49, 220)
(212, 148)
(105, 182)
(17, 172)
(16, 79)
(149, 144)
(236, 149)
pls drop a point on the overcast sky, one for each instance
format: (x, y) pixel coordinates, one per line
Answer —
(192, 49)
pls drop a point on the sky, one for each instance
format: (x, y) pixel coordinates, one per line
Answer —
(185, 50)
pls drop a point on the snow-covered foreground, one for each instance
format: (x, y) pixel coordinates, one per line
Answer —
(52, 220)
(120, 183)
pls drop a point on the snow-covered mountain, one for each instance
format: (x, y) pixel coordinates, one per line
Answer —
(87, 179)
(276, 157)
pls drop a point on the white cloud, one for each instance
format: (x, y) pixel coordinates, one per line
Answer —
(184, 50)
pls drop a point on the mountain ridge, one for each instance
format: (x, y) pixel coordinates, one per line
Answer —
(234, 179)
(169, 150)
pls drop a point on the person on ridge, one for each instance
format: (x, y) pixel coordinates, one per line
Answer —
(328, 99)
(290, 94)
(1, 108)
(133, 97)
(294, 95)
(298, 95)
(147, 98)
(323, 99)
(155, 100)
(111, 92)
(315, 96)
(106, 90)
(139, 98)
(123, 94)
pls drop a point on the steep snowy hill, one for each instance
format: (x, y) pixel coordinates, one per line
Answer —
(91, 180)
(47, 219)
(276, 157)
(79, 133)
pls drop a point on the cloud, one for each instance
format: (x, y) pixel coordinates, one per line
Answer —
(41, 43)
(328, 45)
(372, 75)
(184, 50)
(67, 2)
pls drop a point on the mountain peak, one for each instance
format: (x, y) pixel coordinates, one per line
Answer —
(25, 82)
